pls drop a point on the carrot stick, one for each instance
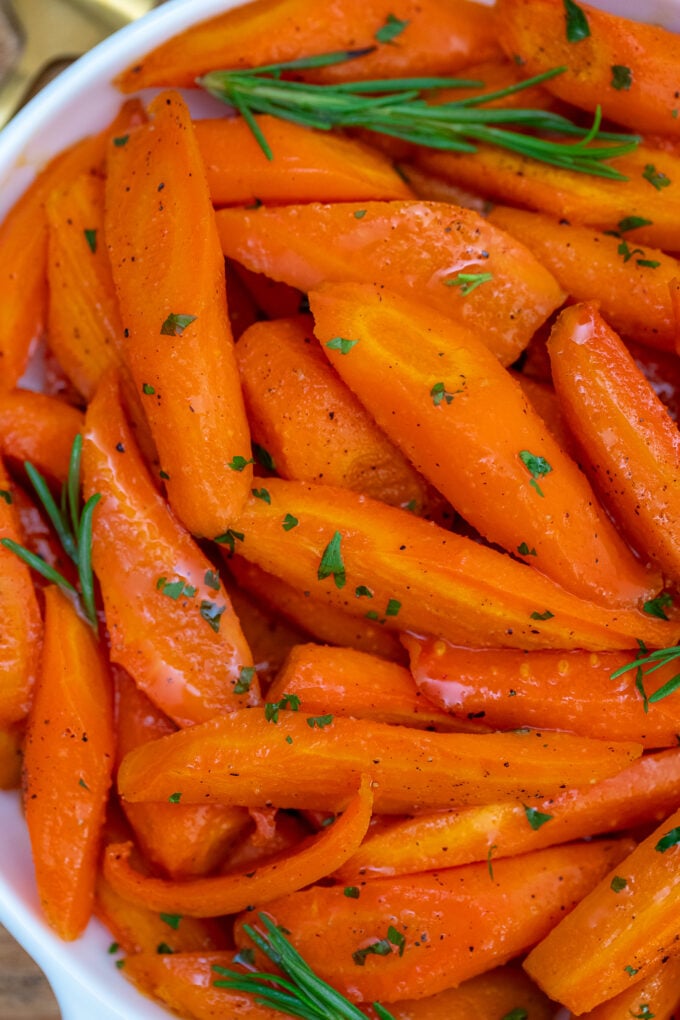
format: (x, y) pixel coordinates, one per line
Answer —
(620, 932)
(334, 543)
(40, 429)
(20, 622)
(651, 191)
(556, 689)
(471, 921)
(68, 758)
(437, 39)
(11, 739)
(227, 894)
(169, 275)
(417, 248)
(543, 399)
(311, 423)
(630, 446)
(316, 619)
(630, 283)
(434, 387)
(627, 68)
(657, 995)
(245, 758)
(308, 166)
(642, 792)
(167, 612)
(348, 682)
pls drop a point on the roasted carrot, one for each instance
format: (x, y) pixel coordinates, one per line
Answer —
(661, 369)
(543, 399)
(434, 388)
(169, 277)
(316, 858)
(556, 689)
(657, 995)
(40, 429)
(270, 636)
(168, 615)
(436, 39)
(335, 543)
(630, 446)
(471, 921)
(311, 423)
(620, 932)
(627, 68)
(630, 283)
(308, 166)
(245, 758)
(348, 682)
(434, 251)
(20, 622)
(11, 739)
(68, 758)
(642, 793)
(313, 616)
(650, 193)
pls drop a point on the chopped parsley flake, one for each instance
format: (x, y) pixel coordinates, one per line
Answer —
(381, 947)
(535, 817)
(272, 708)
(469, 281)
(175, 589)
(657, 607)
(120, 141)
(163, 947)
(668, 841)
(212, 580)
(650, 263)
(618, 884)
(245, 679)
(630, 971)
(262, 494)
(352, 892)
(524, 550)
(518, 1013)
(536, 466)
(393, 607)
(656, 178)
(175, 798)
(331, 564)
(547, 615)
(263, 457)
(175, 324)
(339, 343)
(392, 28)
(632, 223)
(172, 920)
(439, 393)
(148, 390)
(239, 463)
(359, 214)
(363, 592)
(7, 496)
(91, 238)
(622, 77)
(320, 721)
(212, 613)
(577, 27)
(289, 522)
(230, 538)
(626, 252)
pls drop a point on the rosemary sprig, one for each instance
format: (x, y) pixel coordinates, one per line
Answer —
(654, 660)
(299, 993)
(395, 107)
(73, 525)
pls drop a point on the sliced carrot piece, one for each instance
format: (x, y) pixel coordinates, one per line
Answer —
(630, 445)
(630, 283)
(170, 621)
(169, 275)
(334, 543)
(245, 758)
(11, 740)
(437, 39)
(657, 995)
(227, 894)
(40, 429)
(621, 931)
(68, 758)
(642, 792)
(20, 621)
(627, 68)
(498, 993)
(345, 681)
(427, 249)
(308, 166)
(311, 423)
(556, 689)
(650, 193)
(470, 921)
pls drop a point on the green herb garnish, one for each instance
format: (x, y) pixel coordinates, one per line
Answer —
(331, 564)
(536, 466)
(671, 839)
(396, 107)
(339, 343)
(618, 884)
(175, 324)
(654, 660)
(535, 817)
(622, 77)
(469, 281)
(656, 178)
(245, 679)
(577, 26)
(91, 238)
(272, 708)
(392, 28)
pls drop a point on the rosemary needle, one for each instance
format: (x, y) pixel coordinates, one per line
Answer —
(396, 107)
(653, 660)
(300, 992)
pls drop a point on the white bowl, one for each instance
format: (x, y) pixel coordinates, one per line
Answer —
(80, 101)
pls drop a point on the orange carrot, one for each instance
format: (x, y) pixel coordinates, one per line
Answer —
(169, 276)
(543, 399)
(650, 193)
(434, 387)
(470, 921)
(626, 68)
(348, 682)
(630, 446)
(40, 429)
(68, 758)
(11, 739)
(245, 758)
(643, 792)
(311, 423)
(422, 248)
(437, 39)
(658, 995)
(225, 894)
(334, 543)
(20, 622)
(308, 166)
(630, 283)
(620, 932)
(269, 635)
(168, 615)
(313, 616)
(556, 689)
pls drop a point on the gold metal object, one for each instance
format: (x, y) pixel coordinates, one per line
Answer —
(38, 38)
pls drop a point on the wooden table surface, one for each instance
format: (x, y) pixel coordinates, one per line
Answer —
(24, 992)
